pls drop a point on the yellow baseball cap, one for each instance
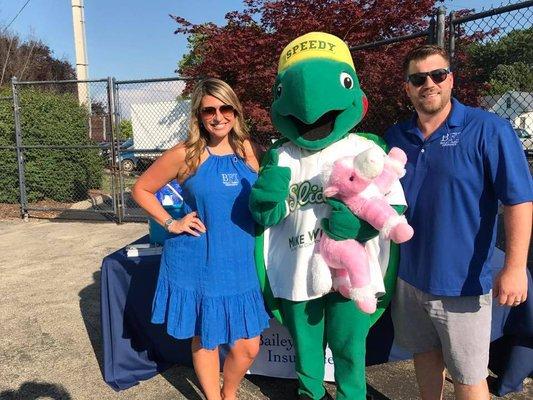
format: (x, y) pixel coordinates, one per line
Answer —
(314, 45)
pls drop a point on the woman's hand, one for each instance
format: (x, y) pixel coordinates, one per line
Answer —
(189, 224)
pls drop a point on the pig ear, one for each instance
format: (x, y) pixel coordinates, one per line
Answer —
(331, 191)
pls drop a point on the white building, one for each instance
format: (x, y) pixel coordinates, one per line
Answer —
(159, 125)
(517, 107)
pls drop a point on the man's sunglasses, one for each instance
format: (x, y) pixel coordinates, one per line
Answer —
(437, 76)
(209, 112)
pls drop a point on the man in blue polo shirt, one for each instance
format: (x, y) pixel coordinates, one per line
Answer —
(461, 162)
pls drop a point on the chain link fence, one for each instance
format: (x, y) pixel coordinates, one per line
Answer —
(62, 159)
(151, 117)
(9, 152)
(382, 113)
(58, 159)
(492, 58)
(384, 57)
(73, 149)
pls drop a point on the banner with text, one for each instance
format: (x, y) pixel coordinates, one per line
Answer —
(276, 355)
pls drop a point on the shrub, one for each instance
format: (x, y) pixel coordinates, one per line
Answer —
(52, 173)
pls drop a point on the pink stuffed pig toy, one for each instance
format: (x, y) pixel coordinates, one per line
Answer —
(361, 182)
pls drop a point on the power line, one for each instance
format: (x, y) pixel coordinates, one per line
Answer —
(15, 17)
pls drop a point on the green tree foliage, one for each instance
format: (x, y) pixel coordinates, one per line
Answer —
(504, 64)
(506, 77)
(194, 57)
(51, 173)
(245, 51)
(126, 129)
(30, 60)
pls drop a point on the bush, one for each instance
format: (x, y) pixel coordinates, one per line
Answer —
(126, 129)
(9, 192)
(51, 173)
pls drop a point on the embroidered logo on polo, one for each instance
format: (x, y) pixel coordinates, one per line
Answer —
(450, 139)
(304, 193)
(230, 179)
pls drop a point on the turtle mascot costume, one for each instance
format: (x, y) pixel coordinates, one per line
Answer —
(317, 102)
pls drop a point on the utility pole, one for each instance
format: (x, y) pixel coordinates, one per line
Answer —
(82, 65)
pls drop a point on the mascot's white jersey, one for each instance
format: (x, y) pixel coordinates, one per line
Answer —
(289, 245)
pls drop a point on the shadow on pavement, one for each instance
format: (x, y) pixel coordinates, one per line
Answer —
(184, 380)
(285, 389)
(36, 390)
(90, 312)
(274, 388)
(374, 394)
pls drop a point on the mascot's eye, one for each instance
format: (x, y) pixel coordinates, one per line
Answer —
(278, 90)
(346, 80)
(352, 178)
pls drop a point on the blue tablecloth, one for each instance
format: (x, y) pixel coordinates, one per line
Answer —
(136, 350)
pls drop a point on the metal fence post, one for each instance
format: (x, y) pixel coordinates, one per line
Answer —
(441, 22)
(20, 151)
(116, 129)
(451, 38)
(113, 147)
(431, 31)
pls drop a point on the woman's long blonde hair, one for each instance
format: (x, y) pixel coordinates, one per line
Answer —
(198, 136)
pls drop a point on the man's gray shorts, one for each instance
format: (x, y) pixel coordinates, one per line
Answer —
(460, 326)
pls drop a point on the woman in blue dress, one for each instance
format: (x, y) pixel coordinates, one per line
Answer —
(207, 287)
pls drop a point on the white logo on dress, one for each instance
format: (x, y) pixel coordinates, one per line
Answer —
(450, 139)
(230, 179)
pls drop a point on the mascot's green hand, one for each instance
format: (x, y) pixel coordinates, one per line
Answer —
(344, 224)
(270, 191)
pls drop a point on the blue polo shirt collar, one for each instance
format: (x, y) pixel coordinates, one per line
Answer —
(455, 119)
(457, 114)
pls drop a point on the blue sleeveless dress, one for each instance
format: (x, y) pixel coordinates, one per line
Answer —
(207, 285)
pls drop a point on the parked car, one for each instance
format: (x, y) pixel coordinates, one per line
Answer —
(126, 157)
(526, 139)
(128, 160)
(105, 148)
(127, 144)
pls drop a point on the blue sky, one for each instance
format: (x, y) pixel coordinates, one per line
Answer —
(129, 39)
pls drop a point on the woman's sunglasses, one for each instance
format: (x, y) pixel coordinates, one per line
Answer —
(437, 76)
(209, 112)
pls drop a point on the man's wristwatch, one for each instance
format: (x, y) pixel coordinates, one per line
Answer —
(167, 223)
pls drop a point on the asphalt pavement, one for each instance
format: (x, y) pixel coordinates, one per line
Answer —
(50, 341)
